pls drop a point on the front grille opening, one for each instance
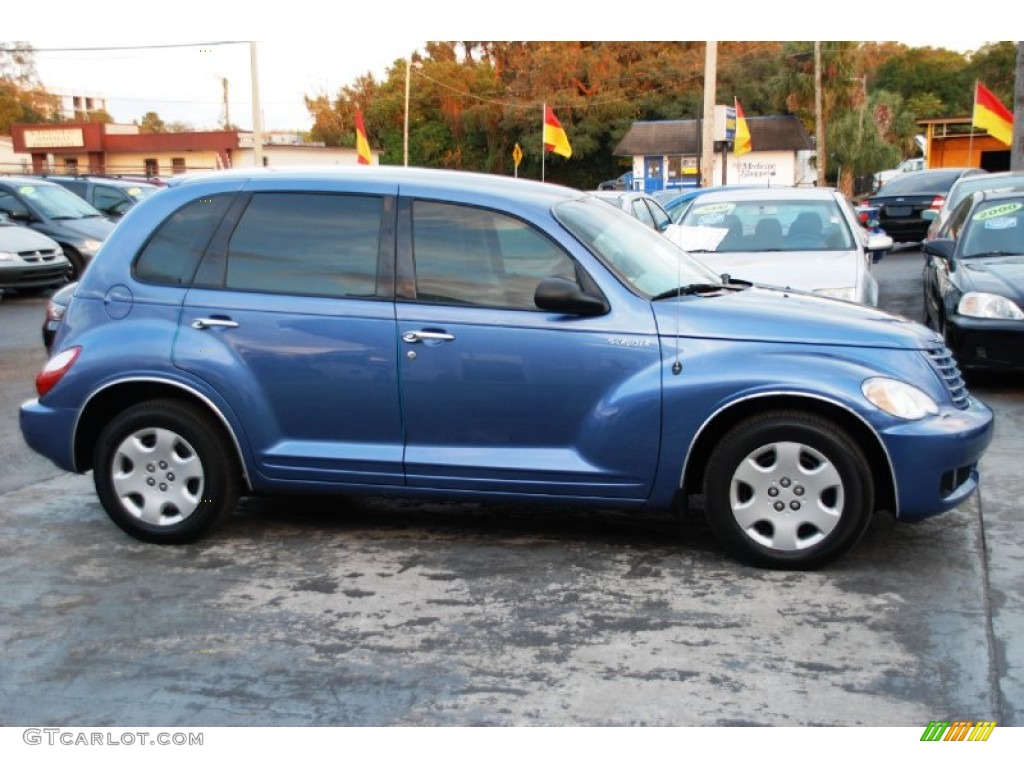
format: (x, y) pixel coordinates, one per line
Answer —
(952, 480)
(945, 365)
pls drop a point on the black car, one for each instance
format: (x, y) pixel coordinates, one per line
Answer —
(111, 196)
(903, 199)
(974, 281)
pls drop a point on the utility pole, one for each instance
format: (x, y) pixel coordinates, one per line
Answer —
(227, 108)
(1017, 149)
(257, 120)
(819, 121)
(707, 144)
(405, 128)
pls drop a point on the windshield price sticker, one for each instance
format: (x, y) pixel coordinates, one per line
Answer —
(721, 208)
(998, 210)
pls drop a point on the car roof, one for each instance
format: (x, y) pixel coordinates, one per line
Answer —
(438, 179)
(26, 180)
(930, 180)
(100, 179)
(769, 193)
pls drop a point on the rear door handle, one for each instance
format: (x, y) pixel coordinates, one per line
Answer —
(414, 337)
(203, 323)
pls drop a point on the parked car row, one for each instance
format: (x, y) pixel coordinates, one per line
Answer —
(452, 335)
(63, 216)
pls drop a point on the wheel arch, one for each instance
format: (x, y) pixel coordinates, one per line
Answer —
(117, 396)
(732, 414)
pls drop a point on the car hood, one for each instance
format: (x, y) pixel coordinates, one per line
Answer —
(94, 227)
(17, 238)
(1002, 275)
(789, 317)
(803, 270)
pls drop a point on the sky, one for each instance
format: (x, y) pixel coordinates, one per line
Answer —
(323, 46)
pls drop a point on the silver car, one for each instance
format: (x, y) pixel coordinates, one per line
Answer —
(29, 260)
(806, 239)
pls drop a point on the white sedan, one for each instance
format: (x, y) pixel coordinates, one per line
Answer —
(806, 239)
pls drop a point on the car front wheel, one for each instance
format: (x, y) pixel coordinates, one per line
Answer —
(788, 489)
(165, 473)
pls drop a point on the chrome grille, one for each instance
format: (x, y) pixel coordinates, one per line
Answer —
(948, 370)
(39, 257)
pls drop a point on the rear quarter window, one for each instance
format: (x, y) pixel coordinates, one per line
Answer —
(173, 252)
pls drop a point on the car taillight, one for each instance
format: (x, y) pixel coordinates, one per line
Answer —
(937, 202)
(55, 369)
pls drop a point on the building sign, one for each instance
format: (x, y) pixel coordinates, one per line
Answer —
(54, 137)
(725, 123)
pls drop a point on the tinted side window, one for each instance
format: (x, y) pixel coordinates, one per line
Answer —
(483, 258)
(78, 187)
(307, 244)
(173, 252)
(105, 198)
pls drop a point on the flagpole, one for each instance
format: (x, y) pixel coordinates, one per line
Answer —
(543, 149)
(970, 141)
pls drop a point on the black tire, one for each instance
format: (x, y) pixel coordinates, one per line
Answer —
(792, 459)
(165, 472)
(77, 262)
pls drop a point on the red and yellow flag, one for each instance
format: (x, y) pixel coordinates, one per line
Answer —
(990, 114)
(362, 145)
(555, 139)
(741, 141)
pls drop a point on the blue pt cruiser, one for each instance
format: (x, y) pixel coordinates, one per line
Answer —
(407, 332)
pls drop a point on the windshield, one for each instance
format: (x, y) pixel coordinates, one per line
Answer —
(995, 228)
(56, 202)
(933, 182)
(140, 192)
(644, 259)
(770, 226)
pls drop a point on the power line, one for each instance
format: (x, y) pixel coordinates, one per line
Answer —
(100, 49)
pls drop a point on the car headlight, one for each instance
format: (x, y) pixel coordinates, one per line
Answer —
(846, 294)
(899, 399)
(988, 305)
(8, 256)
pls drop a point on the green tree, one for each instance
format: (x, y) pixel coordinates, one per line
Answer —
(152, 123)
(930, 76)
(22, 97)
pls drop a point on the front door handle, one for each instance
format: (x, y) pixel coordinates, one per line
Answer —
(414, 337)
(203, 323)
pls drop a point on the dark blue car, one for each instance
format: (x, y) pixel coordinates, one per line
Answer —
(408, 332)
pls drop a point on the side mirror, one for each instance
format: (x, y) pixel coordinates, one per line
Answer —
(21, 216)
(878, 244)
(930, 214)
(942, 248)
(556, 294)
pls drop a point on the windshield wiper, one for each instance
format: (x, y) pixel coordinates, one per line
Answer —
(690, 290)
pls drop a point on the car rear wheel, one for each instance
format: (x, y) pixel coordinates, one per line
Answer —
(164, 473)
(788, 489)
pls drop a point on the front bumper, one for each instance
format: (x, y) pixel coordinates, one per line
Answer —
(982, 344)
(935, 460)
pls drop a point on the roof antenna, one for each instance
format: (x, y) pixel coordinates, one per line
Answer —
(677, 365)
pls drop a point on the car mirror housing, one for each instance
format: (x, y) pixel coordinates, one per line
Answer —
(942, 248)
(879, 242)
(556, 294)
(930, 215)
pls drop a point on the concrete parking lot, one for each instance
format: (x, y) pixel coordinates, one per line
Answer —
(371, 613)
